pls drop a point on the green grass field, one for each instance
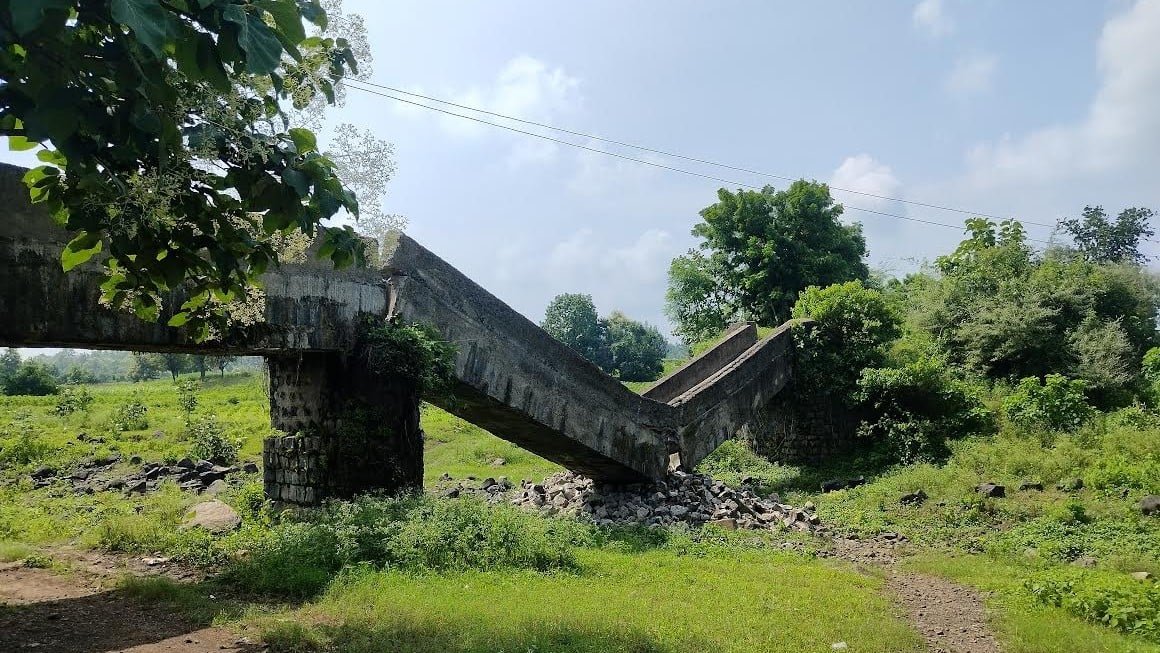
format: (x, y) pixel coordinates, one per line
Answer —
(618, 593)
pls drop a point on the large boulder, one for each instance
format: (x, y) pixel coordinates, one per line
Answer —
(214, 516)
(1150, 505)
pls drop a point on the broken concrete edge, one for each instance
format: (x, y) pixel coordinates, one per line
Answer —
(720, 406)
(737, 339)
(508, 360)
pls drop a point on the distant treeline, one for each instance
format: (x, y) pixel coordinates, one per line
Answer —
(75, 366)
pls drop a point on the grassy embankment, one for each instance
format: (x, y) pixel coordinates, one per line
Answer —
(579, 589)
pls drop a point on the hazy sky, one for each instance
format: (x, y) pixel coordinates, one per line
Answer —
(1031, 109)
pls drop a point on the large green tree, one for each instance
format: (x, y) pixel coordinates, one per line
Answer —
(571, 318)
(164, 130)
(762, 248)
(1102, 240)
(637, 350)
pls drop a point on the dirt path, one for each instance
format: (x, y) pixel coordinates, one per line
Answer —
(80, 611)
(951, 618)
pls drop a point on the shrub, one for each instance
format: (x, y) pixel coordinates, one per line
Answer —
(73, 400)
(31, 379)
(187, 390)
(413, 353)
(917, 408)
(210, 441)
(852, 327)
(20, 443)
(1056, 404)
(408, 534)
(131, 416)
(1113, 600)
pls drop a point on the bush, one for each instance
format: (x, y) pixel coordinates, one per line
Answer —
(918, 408)
(1112, 600)
(73, 400)
(409, 534)
(31, 379)
(210, 442)
(413, 353)
(131, 416)
(20, 444)
(852, 327)
(1057, 404)
(187, 390)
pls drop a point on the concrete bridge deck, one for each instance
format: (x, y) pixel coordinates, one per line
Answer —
(513, 379)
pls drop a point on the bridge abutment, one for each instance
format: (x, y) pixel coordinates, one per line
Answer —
(347, 432)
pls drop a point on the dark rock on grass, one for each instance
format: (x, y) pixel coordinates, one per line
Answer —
(992, 490)
(452, 493)
(855, 482)
(1150, 505)
(216, 488)
(487, 482)
(134, 460)
(192, 486)
(250, 468)
(203, 465)
(81, 475)
(115, 484)
(833, 485)
(153, 473)
(137, 487)
(185, 463)
(190, 475)
(209, 477)
(43, 472)
(916, 498)
(1030, 485)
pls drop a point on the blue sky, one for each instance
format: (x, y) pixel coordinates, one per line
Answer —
(1031, 109)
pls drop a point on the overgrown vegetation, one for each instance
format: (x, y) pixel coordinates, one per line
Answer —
(629, 350)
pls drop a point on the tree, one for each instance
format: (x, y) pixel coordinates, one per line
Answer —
(637, 350)
(695, 300)
(31, 379)
(9, 363)
(177, 363)
(1100, 240)
(167, 145)
(765, 247)
(145, 366)
(571, 318)
(220, 363)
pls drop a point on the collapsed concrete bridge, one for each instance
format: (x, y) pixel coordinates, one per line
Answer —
(347, 429)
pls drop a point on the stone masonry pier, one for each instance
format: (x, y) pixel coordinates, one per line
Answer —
(348, 431)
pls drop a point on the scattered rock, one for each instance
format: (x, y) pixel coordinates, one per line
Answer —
(992, 490)
(1030, 485)
(498, 462)
(855, 482)
(137, 487)
(214, 516)
(203, 465)
(134, 459)
(154, 561)
(681, 497)
(1150, 505)
(43, 472)
(833, 485)
(1141, 575)
(916, 498)
(216, 488)
(185, 463)
(250, 468)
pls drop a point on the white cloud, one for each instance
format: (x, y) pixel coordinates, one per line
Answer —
(864, 174)
(1121, 130)
(972, 75)
(601, 174)
(931, 19)
(525, 87)
(644, 261)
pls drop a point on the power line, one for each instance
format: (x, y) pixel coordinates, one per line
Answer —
(694, 159)
(645, 161)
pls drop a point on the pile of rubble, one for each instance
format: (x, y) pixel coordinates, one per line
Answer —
(693, 499)
(103, 475)
(492, 490)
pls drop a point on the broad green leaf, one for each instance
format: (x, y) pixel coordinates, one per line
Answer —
(304, 140)
(151, 23)
(261, 45)
(20, 144)
(28, 14)
(179, 319)
(286, 17)
(79, 250)
(297, 180)
(52, 156)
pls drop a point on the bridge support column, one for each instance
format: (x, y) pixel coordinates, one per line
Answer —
(346, 432)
